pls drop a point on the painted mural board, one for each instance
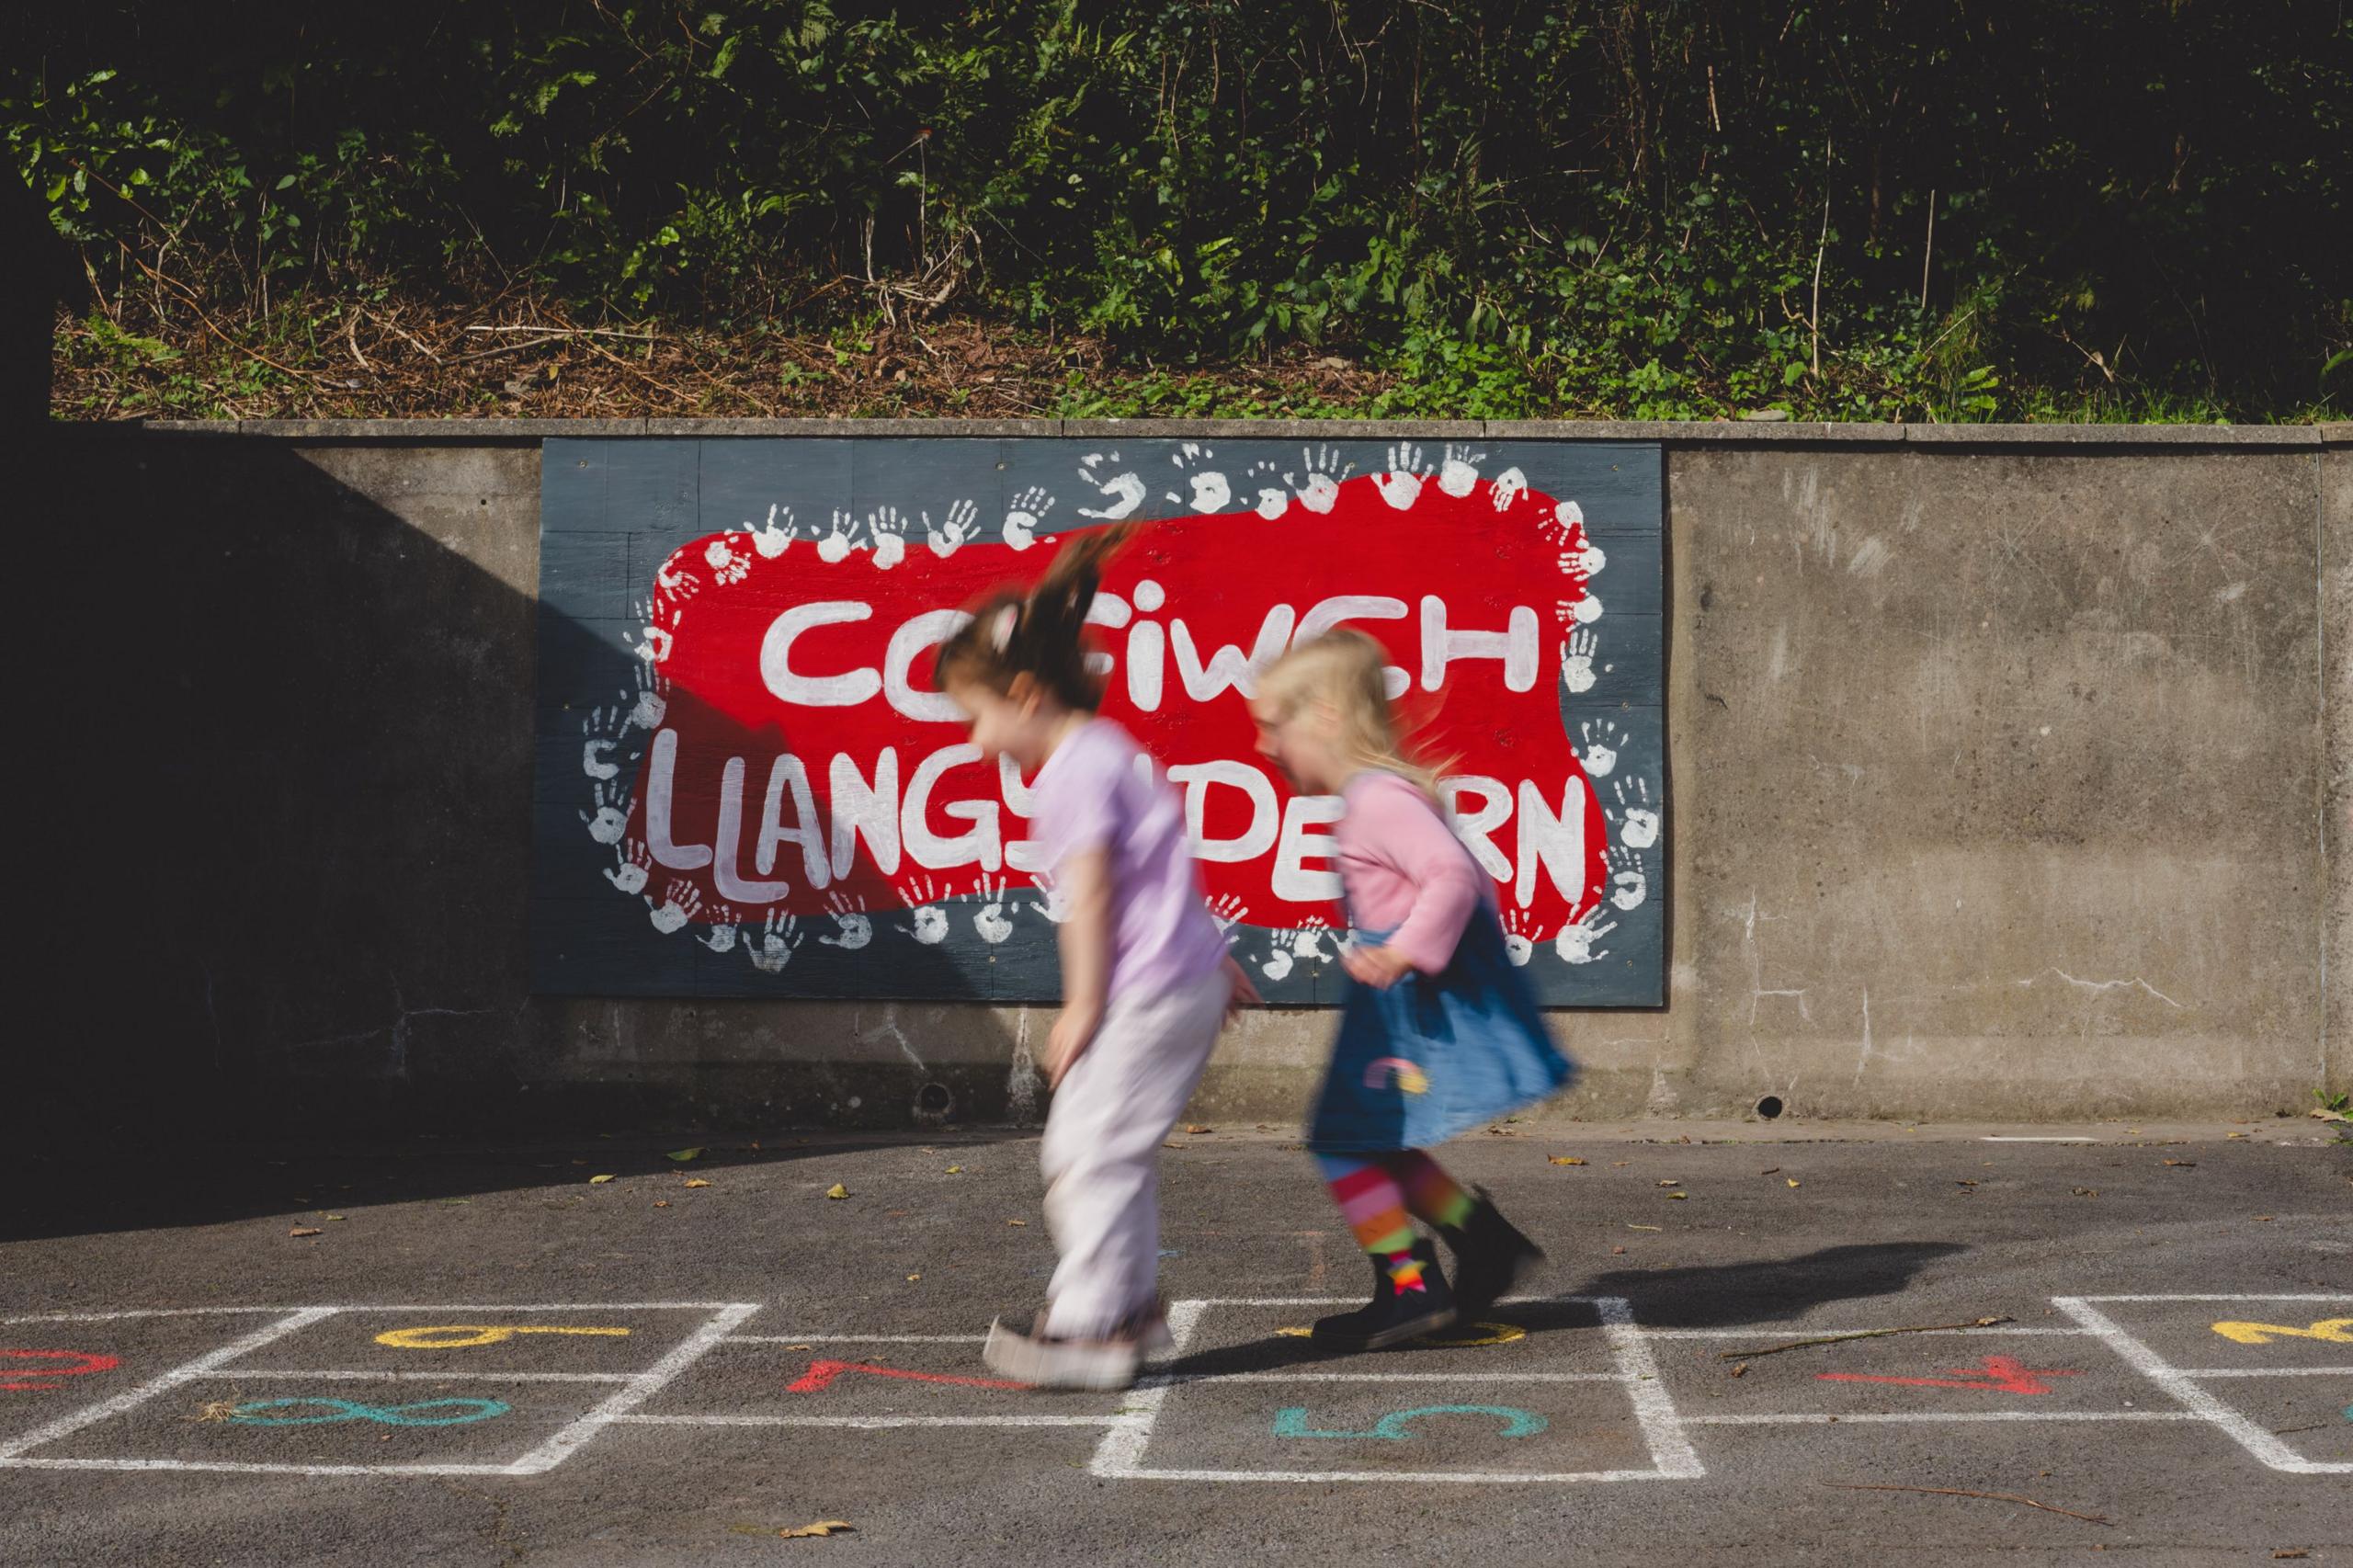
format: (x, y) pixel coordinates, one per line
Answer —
(745, 785)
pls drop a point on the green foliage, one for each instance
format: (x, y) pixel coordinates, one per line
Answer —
(1662, 210)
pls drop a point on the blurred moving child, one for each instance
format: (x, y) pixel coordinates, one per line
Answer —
(1146, 982)
(1440, 1033)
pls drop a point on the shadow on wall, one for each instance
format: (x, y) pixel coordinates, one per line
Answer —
(277, 860)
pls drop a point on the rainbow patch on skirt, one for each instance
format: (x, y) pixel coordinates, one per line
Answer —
(1410, 1078)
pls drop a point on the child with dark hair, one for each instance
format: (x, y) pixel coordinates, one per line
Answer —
(1146, 982)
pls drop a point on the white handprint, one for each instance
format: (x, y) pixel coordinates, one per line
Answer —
(1209, 491)
(1510, 485)
(1022, 518)
(1566, 525)
(679, 905)
(611, 820)
(673, 584)
(1401, 486)
(779, 937)
(721, 936)
(1641, 829)
(1273, 499)
(634, 863)
(1520, 933)
(1323, 487)
(1575, 943)
(1582, 611)
(1307, 942)
(1629, 883)
(1583, 562)
(890, 531)
(1600, 753)
(601, 736)
(835, 546)
(652, 701)
(1577, 659)
(729, 565)
(1227, 912)
(1461, 473)
(929, 926)
(852, 930)
(657, 643)
(770, 539)
(952, 533)
(1277, 964)
(1054, 903)
(1125, 490)
(990, 920)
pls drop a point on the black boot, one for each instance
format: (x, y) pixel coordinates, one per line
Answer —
(1393, 1315)
(1490, 1257)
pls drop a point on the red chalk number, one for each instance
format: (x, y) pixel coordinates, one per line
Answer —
(34, 1376)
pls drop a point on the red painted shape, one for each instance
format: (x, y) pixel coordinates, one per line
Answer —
(90, 1363)
(2000, 1374)
(821, 1375)
(1225, 578)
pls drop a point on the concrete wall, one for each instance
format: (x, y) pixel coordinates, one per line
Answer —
(2011, 772)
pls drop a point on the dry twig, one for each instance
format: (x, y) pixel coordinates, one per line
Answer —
(1866, 1334)
(1957, 1491)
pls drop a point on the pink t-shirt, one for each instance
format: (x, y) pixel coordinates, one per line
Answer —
(1097, 792)
(1404, 870)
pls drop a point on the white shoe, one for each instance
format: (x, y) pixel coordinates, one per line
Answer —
(1047, 1363)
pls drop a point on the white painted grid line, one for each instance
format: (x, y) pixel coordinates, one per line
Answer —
(140, 1312)
(1670, 1449)
(2270, 1296)
(2187, 1392)
(1451, 1477)
(641, 1387)
(1181, 1379)
(1121, 1453)
(1821, 1418)
(2267, 1372)
(246, 1468)
(74, 1420)
(876, 1421)
(413, 1377)
(856, 1339)
(1769, 1329)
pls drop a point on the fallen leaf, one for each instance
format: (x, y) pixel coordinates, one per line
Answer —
(661, 1203)
(2085, 1191)
(2286, 1552)
(1770, 1170)
(2233, 1134)
(334, 1216)
(796, 1347)
(822, 1527)
(1678, 1197)
(1564, 1160)
(1295, 1333)
(598, 1180)
(1791, 1180)
(2263, 1218)
(838, 1190)
(1617, 1250)
(2190, 1164)
(1740, 1372)
(1670, 1182)
(1198, 1131)
(955, 1170)
(682, 1156)
(696, 1181)
(1175, 1145)
(1965, 1182)
(1645, 1227)
(304, 1231)
(1017, 1223)
(913, 1278)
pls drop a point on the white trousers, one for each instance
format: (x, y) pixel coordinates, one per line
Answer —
(1101, 1151)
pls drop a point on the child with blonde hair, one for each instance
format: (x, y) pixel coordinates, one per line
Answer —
(1146, 981)
(1440, 1032)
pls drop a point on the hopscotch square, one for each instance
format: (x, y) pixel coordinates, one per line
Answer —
(2239, 1333)
(476, 1341)
(61, 1362)
(1517, 1337)
(231, 1423)
(2309, 1413)
(1990, 1373)
(561, 1409)
(1232, 1407)
(2241, 1396)
(839, 1379)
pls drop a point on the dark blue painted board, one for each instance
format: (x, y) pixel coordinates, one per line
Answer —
(613, 511)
